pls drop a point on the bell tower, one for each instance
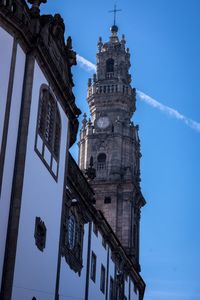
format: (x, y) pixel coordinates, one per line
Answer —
(110, 140)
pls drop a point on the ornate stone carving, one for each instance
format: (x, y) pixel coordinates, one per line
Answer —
(44, 34)
(73, 232)
(90, 172)
(35, 9)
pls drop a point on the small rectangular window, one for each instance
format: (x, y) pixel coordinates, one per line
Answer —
(107, 200)
(135, 289)
(102, 279)
(103, 242)
(111, 294)
(95, 229)
(93, 266)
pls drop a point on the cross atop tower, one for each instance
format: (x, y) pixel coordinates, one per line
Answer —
(115, 12)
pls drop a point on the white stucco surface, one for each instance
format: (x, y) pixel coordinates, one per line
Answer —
(6, 43)
(72, 286)
(36, 271)
(10, 148)
(101, 253)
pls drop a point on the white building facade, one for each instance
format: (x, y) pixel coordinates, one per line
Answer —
(38, 119)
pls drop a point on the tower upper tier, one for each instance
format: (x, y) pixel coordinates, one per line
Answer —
(112, 80)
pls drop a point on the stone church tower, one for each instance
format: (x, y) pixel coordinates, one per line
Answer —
(109, 142)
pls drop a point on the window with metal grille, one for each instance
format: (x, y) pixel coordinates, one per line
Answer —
(47, 143)
(71, 232)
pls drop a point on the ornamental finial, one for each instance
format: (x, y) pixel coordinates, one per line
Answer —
(35, 8)
(114, 28)
(114, 11)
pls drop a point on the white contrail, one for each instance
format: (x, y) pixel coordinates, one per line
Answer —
(85, 64)
(89, 66)
(168, 110)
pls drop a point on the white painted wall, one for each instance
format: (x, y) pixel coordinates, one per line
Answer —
(35, 271)
(72, 286)
(6, 43)
(111, 272)
(101, 254)
(12, 133)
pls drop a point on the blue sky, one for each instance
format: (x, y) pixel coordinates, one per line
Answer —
(164, 41)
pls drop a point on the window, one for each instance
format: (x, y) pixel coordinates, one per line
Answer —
(95, 229)
(119, 286)
(111, 294)
(101, 161)
(48, 132)
(73, 231)
(40, 234)
(110, 65)
(135, 289)
(103, 242)
(107, 200)
(93, 267)
(102, 279)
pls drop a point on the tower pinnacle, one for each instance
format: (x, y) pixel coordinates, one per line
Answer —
(114, 28)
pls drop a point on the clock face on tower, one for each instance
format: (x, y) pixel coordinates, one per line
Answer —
(103, 122)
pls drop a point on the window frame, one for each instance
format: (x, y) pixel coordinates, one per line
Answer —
(101, 163)
(73, 255)
(111, 290)
(93, 267)
(103, 279)
(51, 120)
(110, 63)
(71, 231)
(95, 229)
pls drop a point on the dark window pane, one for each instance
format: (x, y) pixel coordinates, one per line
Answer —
(101, 161)
(107, 200)
(111, 296)
(102, 279)
(110, 65)
(93, 267)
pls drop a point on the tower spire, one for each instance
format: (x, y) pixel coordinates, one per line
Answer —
(114, 11)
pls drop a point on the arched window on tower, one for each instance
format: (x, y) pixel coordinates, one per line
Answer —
(109, 68)
(101, 161)
(47, 143)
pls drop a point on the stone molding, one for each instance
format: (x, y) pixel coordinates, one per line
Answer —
(43, 35)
